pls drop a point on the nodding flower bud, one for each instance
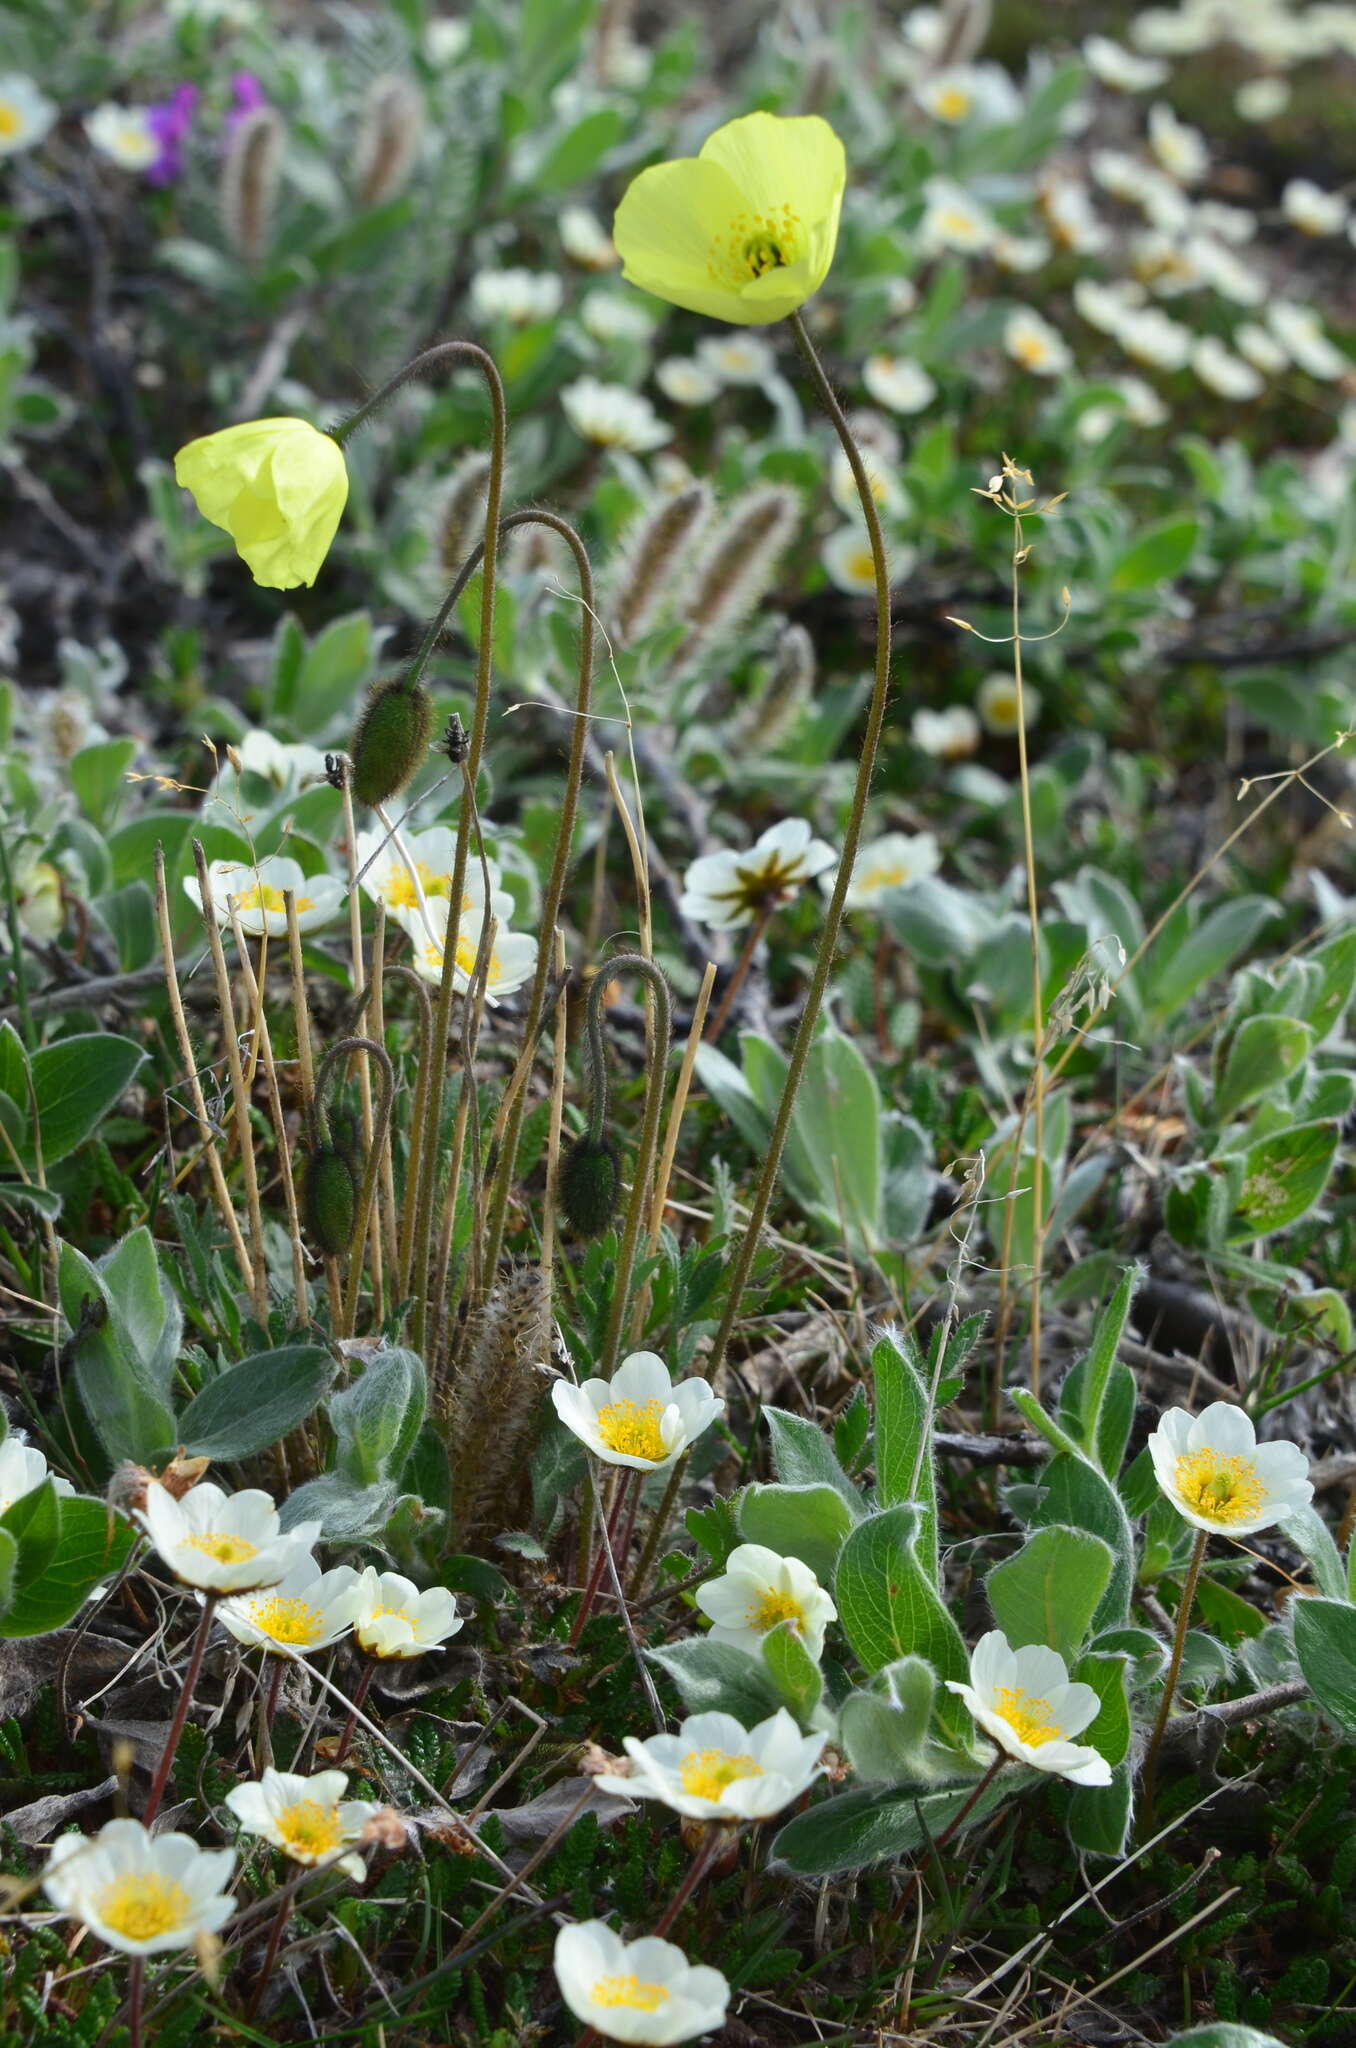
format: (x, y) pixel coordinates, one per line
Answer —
(589, 1185)
(330, 1197)
(390, 739)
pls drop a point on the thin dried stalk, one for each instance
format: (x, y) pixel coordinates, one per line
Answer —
(255, 990)
(548, 1221)
(258, 1267)
(359, 970)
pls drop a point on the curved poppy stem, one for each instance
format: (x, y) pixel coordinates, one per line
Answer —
(652, 976)
(1184, 1607)
(833, 916)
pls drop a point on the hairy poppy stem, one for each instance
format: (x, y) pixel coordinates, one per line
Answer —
(166, 1764)
(369, 1672)
(1185, 1605)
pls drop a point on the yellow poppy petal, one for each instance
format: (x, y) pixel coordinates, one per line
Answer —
(277, 486)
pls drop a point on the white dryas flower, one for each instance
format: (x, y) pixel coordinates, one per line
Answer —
(1143, 406)
(1173, 31)
(1312, 210)
(1111, 64)
(258, 888)
(947, 735)
(885, 486)
(1027, 1703)
(1072, 218)
(968, 92)
(309, 1819)
(1217, 265)
(638, 1418)
(286, 766)
(895, 382)
(1150, 337)
(1035, 344)
(1260, 349)
(307, 1610)
(26, 113)
(144, 1894)
(1217, 1475)
(124, 135)
(1107, 306)
(716, 1769)
(847, 556)
(513, 955)
(760, 1590)
(737, 358)
(1232, 224)
(1299, 331)
(1261, 99)
(518, 296)
(997, 703)
(686, 380)
(392, 1618)
(1181, 149)
(726, 890)
(22, 1469)
(585, 240)
(641, 1991)
(222, 1542)
(389, 878)
(1219, 369)
(607, 316)
(612, 417)
(1020, 254)
(952, 220)
(891, 862)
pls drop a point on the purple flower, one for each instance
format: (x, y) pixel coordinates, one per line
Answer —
(170, 121)
(246, 94)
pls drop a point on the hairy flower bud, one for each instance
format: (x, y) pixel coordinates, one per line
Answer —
(330, 1197)
(589, 1184)
(390, 739)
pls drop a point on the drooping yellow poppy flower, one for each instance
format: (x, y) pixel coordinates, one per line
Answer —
(277, 486)
(746, 230)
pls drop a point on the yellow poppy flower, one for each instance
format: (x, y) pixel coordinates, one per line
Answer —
(746, 230)
(277, 486)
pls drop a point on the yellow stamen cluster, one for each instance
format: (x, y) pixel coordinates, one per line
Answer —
(144, 1905)
(263, 896)
(882, 878)
(633, 1429)
(286, 1620)
(630, 1992)
(1220, 1487)
(10, 124)
(773, 1608)
(399, 1613)
(755, 243)
(309, 1829)
(953, 104)
(707, 1772)
(1031, 351)
(1029, 1718)
(220, 1545)
(399, 889)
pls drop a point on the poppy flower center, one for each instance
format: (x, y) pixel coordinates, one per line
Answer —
(309, 1829)
(1029, 1718)
(773, 1607)
(634, 1429)
(286, 1620)
(143, 1905)
(706, 1773)
(754, 244)
(1219, 1487)
(222, 1547)
(629, 1992)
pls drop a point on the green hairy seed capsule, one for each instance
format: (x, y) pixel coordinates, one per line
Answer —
(390, 739)
(590, 1182)
(330, 1198)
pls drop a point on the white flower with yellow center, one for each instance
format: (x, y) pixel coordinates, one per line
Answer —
(1312, 210)
(953, 221)
(847, 556)
(1299, 330)
(1150, 337)
(26, 113)
(1020, 254)
(124, 135)
(258, 889)
(384, 871)
(1107, 306)
(996, 699)
(1219, 369)
(1173, 31)
(644, 1991)
(726, 890)
(1260, 349)
(686, 380)
(638, 1418)
(307, 1610)
(222, 1542)
(1262, 99)
(1025, 1700)
(897, 383)
(286, 766)
(948, 735)
(513, 955)
(144, 1894)
(585, 240)
(1181, 150)
(1232, 224)
(516, 296)
(716, 1769)
(392, 1618)
(739, 359)
(1217, 1475)
(1035, 345)
(759, 1591)
(309, 1819)
(1143, 406)
(607, 316)
(22, 1469)
(886, 489)
(1219, 267)
(893, 861)
(950, 96)
(1111, 64)
(1071, 217)
(610, 416)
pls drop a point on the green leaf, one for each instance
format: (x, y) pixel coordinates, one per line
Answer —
(905, 1467)
(9, 1554)
(867, 1826)
(130, 1415)
(75, 1082)
(34, 1521)
(803, 1456)
(1231, 1617)
(1202, 954)
(97, 774)
(1338, 961)
(793, 1672)
(1110, 1733)
(1098, 1816)
(1224, 2034)
(92, 1544)
(1264, 1052)
(1283, 1177)
(1325, 1643)
(1311, 1536)
(1156, 555)
(573, 156)
(336, 663)
(890, 1608)
(347, 1512)
(834, 1142)
(1048, 1593)
(148, 1312)
(253, 1404)
(1085, 1391)
(377, 1419)
(1076, 1495)
(719, 1678)
(808, 1522)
